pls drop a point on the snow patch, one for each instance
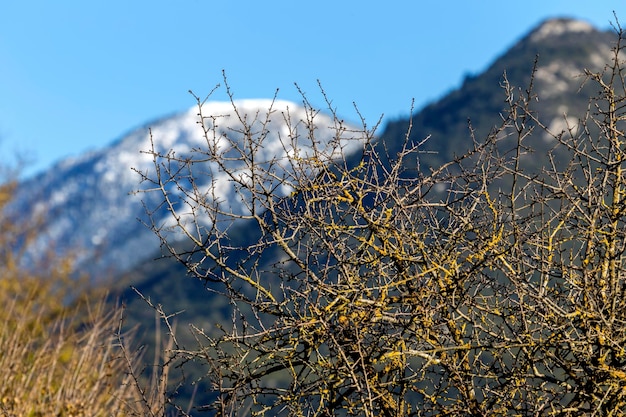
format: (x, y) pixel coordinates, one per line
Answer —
(557, 78)
(556, 27)
(562, 125)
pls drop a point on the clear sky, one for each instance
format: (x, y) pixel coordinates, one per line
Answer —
(76, 75)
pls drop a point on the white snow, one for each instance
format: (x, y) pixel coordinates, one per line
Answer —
(87, 198)
(557, 78)
(555, 27)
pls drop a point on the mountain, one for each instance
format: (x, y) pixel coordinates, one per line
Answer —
(88, 205)
(563, 48)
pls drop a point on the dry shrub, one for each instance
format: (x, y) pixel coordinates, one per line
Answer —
(479, 287)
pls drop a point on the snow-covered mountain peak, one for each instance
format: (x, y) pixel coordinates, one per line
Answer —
(557, 27)
(88, 202)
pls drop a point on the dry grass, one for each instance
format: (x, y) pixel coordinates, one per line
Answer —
(62, 352)
(59, 361)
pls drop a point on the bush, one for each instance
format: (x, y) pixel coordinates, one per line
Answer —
(478, 288)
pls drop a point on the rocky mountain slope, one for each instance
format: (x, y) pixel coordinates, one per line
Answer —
(562, 49)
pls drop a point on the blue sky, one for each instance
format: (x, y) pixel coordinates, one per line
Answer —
(76, 75)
